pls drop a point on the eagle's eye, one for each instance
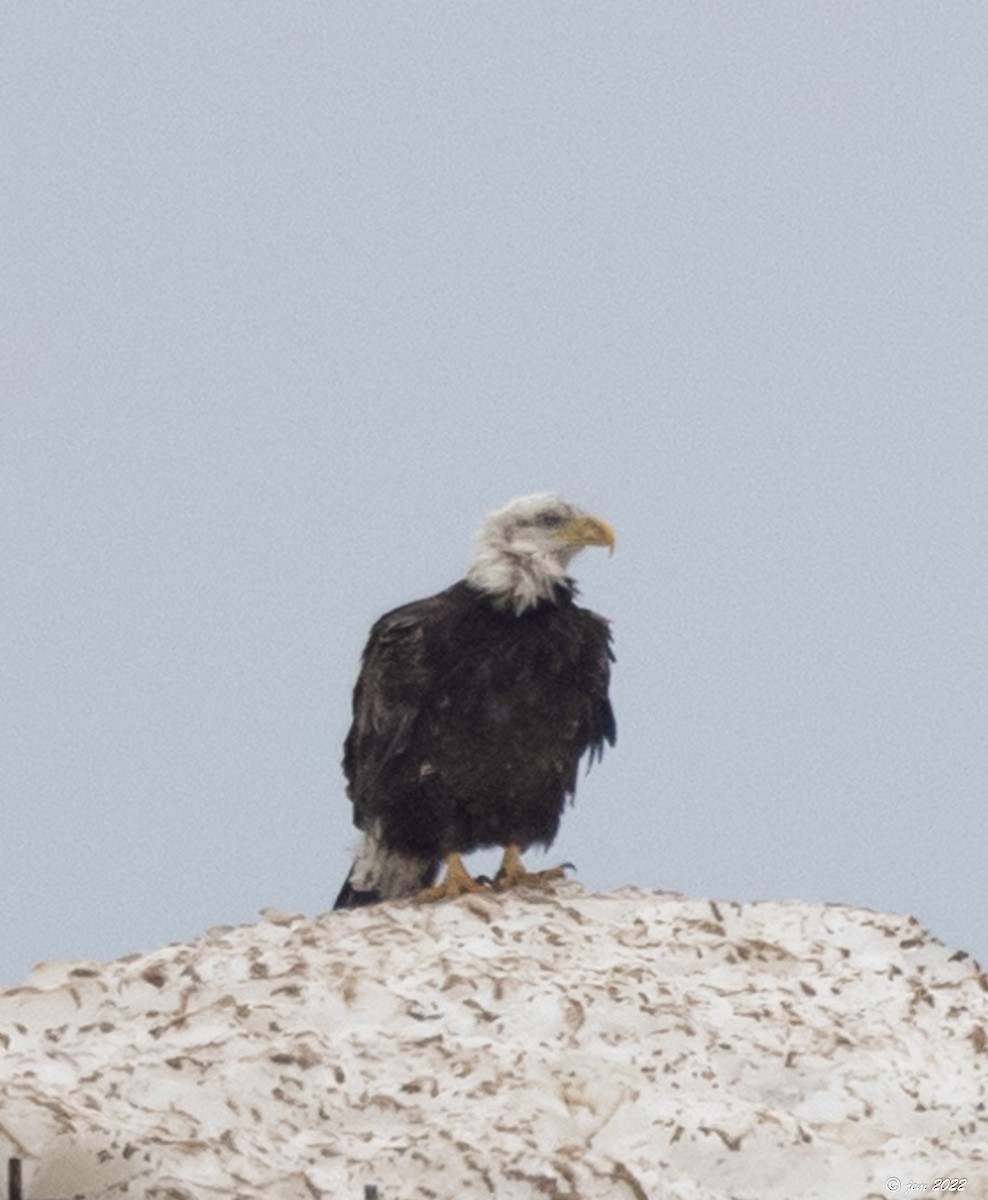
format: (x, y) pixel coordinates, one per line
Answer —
(551, 520)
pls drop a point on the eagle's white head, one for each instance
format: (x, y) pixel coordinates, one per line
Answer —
(522, 550)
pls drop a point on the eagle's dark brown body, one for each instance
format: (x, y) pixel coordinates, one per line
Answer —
(469, 722)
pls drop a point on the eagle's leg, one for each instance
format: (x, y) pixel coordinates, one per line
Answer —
(512, 872)
(458, 882)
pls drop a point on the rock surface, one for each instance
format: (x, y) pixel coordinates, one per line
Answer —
(578, 1046)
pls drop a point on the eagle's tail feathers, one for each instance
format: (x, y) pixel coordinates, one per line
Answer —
(379, 873)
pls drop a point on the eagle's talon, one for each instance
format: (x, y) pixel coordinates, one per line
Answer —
(512, 873)
(458, 882)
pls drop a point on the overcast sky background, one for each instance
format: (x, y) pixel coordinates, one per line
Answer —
(292, 293)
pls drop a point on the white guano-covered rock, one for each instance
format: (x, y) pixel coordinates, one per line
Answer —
(577, 1046)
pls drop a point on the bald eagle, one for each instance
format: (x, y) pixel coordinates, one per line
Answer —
(473, 708)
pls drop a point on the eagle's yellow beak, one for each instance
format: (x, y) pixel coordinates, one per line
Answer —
(589, 531)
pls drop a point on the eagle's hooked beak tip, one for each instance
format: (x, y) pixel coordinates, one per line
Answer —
(605, 535)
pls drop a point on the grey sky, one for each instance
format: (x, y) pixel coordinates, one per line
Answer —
(293, 293)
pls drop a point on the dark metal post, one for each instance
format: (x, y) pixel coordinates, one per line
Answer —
(14, 1179)
(370, 1191)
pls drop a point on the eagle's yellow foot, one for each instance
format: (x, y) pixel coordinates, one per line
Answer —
(458, 882)
(512, 873)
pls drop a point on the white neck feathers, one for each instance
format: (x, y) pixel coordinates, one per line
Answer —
(514, 578)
